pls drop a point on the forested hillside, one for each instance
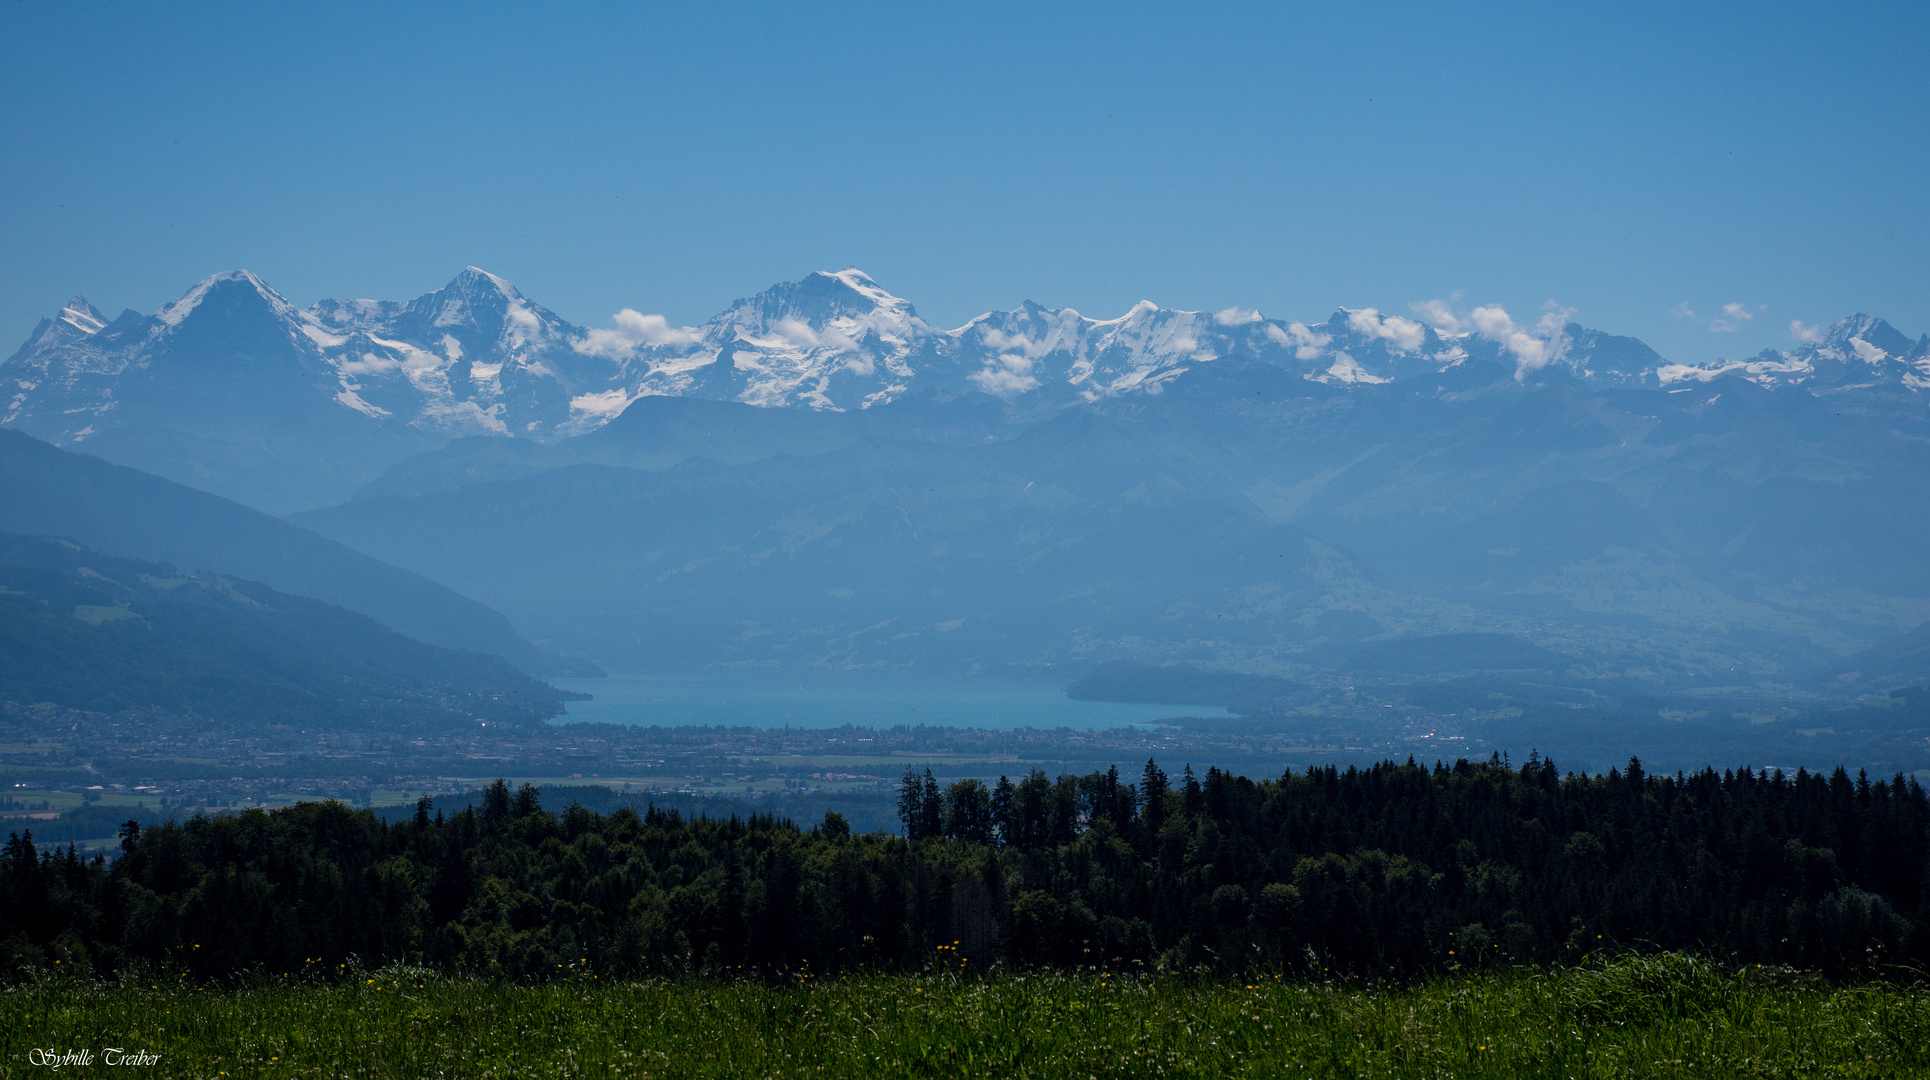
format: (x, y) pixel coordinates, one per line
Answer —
(1391, 869)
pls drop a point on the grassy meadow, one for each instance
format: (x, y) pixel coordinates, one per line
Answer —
(1656, 1016)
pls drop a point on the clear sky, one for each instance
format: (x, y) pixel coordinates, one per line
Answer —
(1632, 162)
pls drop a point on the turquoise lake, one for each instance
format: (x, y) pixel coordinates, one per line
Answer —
(822, 700)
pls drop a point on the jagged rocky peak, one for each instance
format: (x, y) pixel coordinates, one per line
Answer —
(820, 299)
(477, 315)
(232, 292)
(72, 326)
(474, 280)
(473, 298)
(1862, 337)
(1611, 358)
(82, 316)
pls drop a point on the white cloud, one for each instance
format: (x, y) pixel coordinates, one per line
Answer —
(606, 404)
(994, 338)
(1731, 319)
(1007, 376)
(1404, 335)
(798, 333)
(1532, 349)
(1801, 332)
(1306, 344)
(832, 338)
(634, 330)
(369, 364)
(1554, 320)
(1441, 314)
(1683, 311)
(1236, 316)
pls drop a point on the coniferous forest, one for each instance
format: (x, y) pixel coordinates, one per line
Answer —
(1393, 870)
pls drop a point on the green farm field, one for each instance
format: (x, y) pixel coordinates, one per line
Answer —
(1655, 1016)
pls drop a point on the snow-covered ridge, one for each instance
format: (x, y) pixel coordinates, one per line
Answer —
(478, 357)
(839, 340)
(1861, 350)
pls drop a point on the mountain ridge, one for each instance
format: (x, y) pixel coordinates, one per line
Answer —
(477, 357)
(236, 390)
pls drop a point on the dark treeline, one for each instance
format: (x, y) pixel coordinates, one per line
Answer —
(1391, 869)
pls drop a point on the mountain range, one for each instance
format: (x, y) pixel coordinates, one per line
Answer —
(234, 389)
(817, 476)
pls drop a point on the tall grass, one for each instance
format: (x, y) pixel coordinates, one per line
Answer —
(1657, 1016)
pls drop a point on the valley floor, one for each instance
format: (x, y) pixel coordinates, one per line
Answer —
(1664, 1015)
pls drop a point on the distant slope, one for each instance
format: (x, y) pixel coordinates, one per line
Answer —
(657, 432)
(121, 511)
(1902, 659)
(1436, 654)
(1031, 552)
(89, 631)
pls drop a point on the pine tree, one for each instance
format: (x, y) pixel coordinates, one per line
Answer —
(1004, 824)
(1152, 796)
(931, 810)
(911, 804)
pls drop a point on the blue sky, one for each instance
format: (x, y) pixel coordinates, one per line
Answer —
(1622, 160)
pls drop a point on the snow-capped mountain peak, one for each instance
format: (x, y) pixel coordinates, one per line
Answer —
(476, 356)
(821, 299)
(859, 282)
(475, 277)
(474, 297)
(241, 285)
(82, 316)
(1863, 337)
(830, 340)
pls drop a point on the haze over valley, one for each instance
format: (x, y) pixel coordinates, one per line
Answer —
(1441, 524)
